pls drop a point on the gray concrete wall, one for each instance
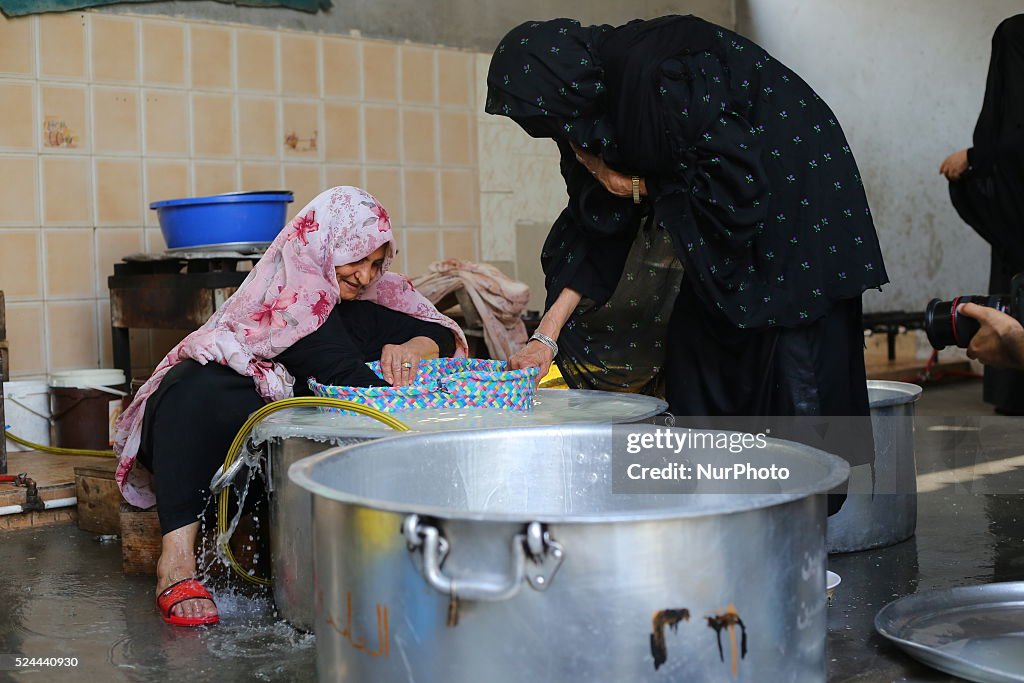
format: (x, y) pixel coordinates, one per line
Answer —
(906, 80)
(475, 24)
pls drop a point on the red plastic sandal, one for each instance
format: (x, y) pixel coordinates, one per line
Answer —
(177, 593)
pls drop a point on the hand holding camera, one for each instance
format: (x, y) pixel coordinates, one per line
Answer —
(1000, 340)
(988, 326)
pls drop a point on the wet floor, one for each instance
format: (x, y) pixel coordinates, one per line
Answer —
(62, 593)
(970, 532)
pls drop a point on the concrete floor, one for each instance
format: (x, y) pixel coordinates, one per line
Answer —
(62, 593)
(967, 534)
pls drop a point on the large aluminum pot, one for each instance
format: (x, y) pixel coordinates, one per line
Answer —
(881, 505)
(291, 435)
(503, 555)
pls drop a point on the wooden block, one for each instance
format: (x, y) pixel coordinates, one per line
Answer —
(27, 520)
(99, 499)
(140, 539)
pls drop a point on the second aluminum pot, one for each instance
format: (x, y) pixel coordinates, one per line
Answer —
(881, 505)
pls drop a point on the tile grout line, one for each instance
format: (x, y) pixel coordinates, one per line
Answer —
(44, 318)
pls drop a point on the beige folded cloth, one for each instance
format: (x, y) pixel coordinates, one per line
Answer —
(499, 300)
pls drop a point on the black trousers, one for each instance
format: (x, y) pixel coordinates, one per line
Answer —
(188, 426)
(716, 369)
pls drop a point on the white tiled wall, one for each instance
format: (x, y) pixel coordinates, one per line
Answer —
(519, 184)
(104, 114)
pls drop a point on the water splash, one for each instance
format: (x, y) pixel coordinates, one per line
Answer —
(212, 562)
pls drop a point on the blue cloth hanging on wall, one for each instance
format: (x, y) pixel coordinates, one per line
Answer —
(17, 8)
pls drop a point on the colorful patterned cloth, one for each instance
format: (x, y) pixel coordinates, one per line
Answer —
(445, 383)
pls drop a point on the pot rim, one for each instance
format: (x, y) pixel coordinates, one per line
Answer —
(300, 474)
(905, 392)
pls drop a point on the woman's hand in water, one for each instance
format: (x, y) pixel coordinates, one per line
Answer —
(955, 165)
(399, 362)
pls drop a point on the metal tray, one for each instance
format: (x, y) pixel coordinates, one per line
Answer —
(976, 632)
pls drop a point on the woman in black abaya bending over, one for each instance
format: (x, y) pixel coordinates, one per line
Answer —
(686, 145)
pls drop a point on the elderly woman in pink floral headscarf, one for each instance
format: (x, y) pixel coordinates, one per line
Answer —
(320, 303)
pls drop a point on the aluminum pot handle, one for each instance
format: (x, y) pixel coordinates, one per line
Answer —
(429, 549)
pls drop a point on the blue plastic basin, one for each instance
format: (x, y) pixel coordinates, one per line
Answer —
(222, 219)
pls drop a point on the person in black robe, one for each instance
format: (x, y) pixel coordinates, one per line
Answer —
(717, 237)
(986, 185)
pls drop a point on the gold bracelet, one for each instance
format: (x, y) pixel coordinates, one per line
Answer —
(636, 189)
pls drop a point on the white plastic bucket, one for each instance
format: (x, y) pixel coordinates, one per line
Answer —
(85, 406)
(27, 412)
(101, 379)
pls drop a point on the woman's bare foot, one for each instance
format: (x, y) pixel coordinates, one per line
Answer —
(178, 561)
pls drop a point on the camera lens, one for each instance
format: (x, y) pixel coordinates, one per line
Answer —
(945, 326)
(938, 324)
